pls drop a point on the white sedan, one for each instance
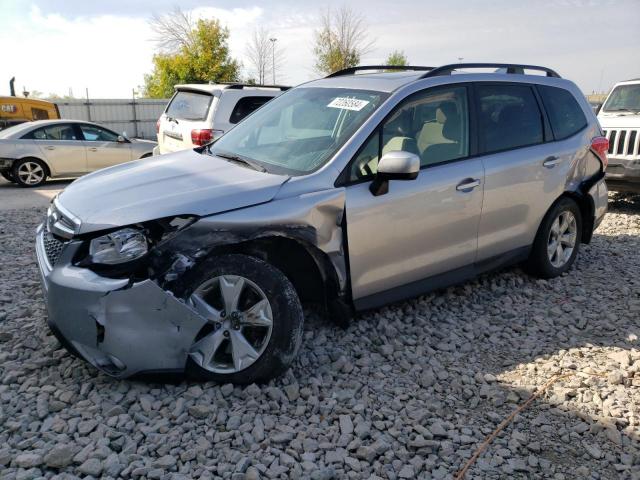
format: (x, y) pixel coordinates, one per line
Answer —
(34, 151)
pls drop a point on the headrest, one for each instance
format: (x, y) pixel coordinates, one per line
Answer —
(445, 110)
(452, 127)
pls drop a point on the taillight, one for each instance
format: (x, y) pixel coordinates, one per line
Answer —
(158, 127)
(201, 136)
(600, 146)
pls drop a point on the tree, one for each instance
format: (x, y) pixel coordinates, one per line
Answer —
(340, 41)
(191, 52)
(264, 55)
(397, 58)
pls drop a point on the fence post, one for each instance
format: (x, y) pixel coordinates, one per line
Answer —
(88, 106)
(135, 116)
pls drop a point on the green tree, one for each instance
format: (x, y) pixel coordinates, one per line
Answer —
(397, 58)
(340, 41)
(201, 55)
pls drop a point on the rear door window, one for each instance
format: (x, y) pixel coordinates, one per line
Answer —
(509, 117)
(565, 115)
(245, 106)
(189, 106)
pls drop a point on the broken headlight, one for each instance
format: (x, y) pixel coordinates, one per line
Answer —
(118, 247)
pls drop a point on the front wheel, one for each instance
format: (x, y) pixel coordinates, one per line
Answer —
(558, 240)
(29, 172)
(254, 320)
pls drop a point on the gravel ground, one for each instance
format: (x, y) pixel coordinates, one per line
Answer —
(408, 391)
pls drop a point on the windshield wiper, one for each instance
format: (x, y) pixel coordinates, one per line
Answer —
(239, 159)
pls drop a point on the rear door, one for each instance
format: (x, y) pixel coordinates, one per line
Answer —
(524, 172)
(103, 147)
(62, 148)
(188, 110)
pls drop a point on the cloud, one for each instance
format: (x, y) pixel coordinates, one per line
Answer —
(109, 51)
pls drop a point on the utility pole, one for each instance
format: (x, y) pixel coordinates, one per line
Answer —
(273, 52)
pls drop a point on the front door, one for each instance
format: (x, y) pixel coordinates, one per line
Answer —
(422, 227)
(103, 147)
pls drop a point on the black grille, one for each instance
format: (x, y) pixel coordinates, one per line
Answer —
(52, 247)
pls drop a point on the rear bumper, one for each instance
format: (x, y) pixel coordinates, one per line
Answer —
(119, 327)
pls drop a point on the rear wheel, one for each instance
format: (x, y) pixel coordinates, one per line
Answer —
(29, 172)
(558, 240)
(254, 320)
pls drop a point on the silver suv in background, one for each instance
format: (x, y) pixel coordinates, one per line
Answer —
(352, 191)
(620, 119)
(199, 113)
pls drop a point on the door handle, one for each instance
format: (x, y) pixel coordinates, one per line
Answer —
(551, 161)
(50, 147)
(468, 184)
(93, 149)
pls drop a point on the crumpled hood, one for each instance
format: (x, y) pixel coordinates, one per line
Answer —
(180, 183)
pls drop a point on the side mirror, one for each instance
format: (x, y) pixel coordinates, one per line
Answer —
(597, 108)
(122, 139)
(397, 165)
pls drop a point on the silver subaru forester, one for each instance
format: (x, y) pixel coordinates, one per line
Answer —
(350, 192)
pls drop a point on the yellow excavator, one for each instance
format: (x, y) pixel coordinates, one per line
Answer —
(15, 110)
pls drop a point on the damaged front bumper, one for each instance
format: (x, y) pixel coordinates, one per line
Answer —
(121, 327)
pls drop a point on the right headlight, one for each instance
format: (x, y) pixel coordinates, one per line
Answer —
(121, 246)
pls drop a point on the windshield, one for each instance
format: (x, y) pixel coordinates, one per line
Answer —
(624, 98)
(189, 105)
(300, 130)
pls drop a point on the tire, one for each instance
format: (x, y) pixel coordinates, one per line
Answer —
(8, 175)
(29, 172)
(545, 261)
(275, 352)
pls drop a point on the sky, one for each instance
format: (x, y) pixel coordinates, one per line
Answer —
(58, 46)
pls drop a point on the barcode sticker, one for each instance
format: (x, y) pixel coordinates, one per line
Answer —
(348, 103)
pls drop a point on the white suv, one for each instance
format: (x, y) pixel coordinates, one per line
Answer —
(200, 113)
(620, 120)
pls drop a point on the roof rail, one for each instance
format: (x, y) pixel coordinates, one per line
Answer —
(352, 70)
(240, 86)
(510, 67)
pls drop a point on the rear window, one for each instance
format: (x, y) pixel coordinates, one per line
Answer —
(509, 117)
(564, 113)
(189, 106)
(245, 106)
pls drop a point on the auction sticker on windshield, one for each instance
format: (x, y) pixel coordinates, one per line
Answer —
(348, 103)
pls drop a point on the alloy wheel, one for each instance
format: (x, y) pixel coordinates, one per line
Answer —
(562, 239)
(30, 173)
(239, 324)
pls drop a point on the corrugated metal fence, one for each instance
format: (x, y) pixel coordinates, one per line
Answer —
(136, 117)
